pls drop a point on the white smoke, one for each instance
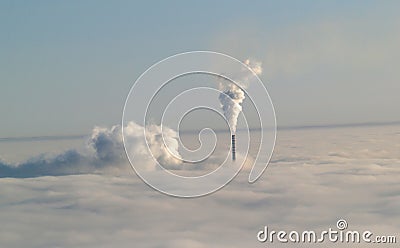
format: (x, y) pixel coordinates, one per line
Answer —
(106, 143)
(165, 151)
(255, 66)
(233, 96)
(231, 100)
(104, 153)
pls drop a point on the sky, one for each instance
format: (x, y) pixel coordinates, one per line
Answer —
(67, 66)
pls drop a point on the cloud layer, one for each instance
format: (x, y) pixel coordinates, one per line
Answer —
(350, 173)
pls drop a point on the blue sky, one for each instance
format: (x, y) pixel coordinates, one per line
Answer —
(68, 65)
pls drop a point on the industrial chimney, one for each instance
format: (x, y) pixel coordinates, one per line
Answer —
(233, 147)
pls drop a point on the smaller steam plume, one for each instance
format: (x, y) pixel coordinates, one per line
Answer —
(233, 96)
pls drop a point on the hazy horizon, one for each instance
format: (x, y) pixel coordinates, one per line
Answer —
(67, 67)
(82, 136)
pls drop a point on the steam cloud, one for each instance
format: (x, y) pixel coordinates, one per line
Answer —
(233, 96)
(104, 152)
(165, 151)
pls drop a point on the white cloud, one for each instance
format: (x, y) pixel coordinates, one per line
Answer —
(350, 173)
(105, 153)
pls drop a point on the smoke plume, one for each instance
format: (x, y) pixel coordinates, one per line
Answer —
(233, 96)
(104, 153)
(164, 151)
